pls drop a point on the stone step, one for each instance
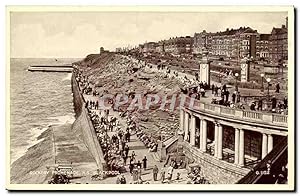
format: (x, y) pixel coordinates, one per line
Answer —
(156, 156)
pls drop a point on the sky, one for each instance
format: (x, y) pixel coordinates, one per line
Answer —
(77, 34)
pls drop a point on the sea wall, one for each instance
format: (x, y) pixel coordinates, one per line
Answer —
(214, 170)
(84, 128)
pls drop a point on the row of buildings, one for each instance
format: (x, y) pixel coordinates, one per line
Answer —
(231, 44)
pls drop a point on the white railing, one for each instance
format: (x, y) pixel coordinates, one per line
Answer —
(209, 107)
(252, 115)
(277, 118)
(245, 115)
(228, 111)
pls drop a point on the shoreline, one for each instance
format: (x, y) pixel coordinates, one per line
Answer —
(36, 158)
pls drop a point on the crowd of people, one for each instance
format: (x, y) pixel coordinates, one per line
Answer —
(277, 106)
(115, 147)
(195, 177)
(149, 141)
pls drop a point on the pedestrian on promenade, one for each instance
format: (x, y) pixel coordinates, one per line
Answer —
(178, 176)
(252, 106)
(216, 91)
(139, 172)
(259, 105)
(163, 173)
(212, 89)
(127, 135)
(118, 180)
(233, 97)
(145, 162)
(139, 164)
(155, 172)
(123, 143)
(133, 155)
(224, 87)
(277, 88)
(135, 173)
(274, 102)
(123, 180)
(170, 172)
(226, 95)
(126, 149)
(124, 158)
(222, 94)
(285, 102)
(131, 166)
(238, 97)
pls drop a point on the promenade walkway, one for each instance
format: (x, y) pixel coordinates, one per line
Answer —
(140, 150)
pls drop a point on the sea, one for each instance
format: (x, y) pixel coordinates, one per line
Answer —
(37, 100)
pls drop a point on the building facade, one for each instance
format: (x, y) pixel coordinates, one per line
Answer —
(149, 47)
(278, 45)
(262, 47)
(229, 44)
(200, 41)
(178, 45)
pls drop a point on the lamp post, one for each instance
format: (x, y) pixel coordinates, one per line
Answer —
(268, 80)
(236, 84)
(220, 75)
(262, 82)
(220, 72)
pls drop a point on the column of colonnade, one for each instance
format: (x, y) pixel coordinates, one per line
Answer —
(192, 130)
(203, 124)
(239, 147)
(188, 126)
(267, 144)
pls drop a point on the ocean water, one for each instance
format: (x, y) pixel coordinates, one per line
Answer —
(37, 100)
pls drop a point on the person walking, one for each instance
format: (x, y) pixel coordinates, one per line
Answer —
(126, 149)
(277, 88)
(139, 164)
(238, 97)
(163, 173)
(145, 163)
(118, 180)
(170, 172)
(131, 166)
(155, 172)
(124, 158)
(139, 172)
(285, 102)
(216, 91)
(123, 180)
(226, 95)
(259, 105)
(133, 155)
(233, 97)
(135, 173)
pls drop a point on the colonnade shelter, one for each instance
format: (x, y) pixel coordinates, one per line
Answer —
(240, 137)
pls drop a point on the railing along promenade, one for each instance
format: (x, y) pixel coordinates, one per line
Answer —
(239, 114)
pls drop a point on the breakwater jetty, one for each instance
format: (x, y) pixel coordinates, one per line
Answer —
(51, 68)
